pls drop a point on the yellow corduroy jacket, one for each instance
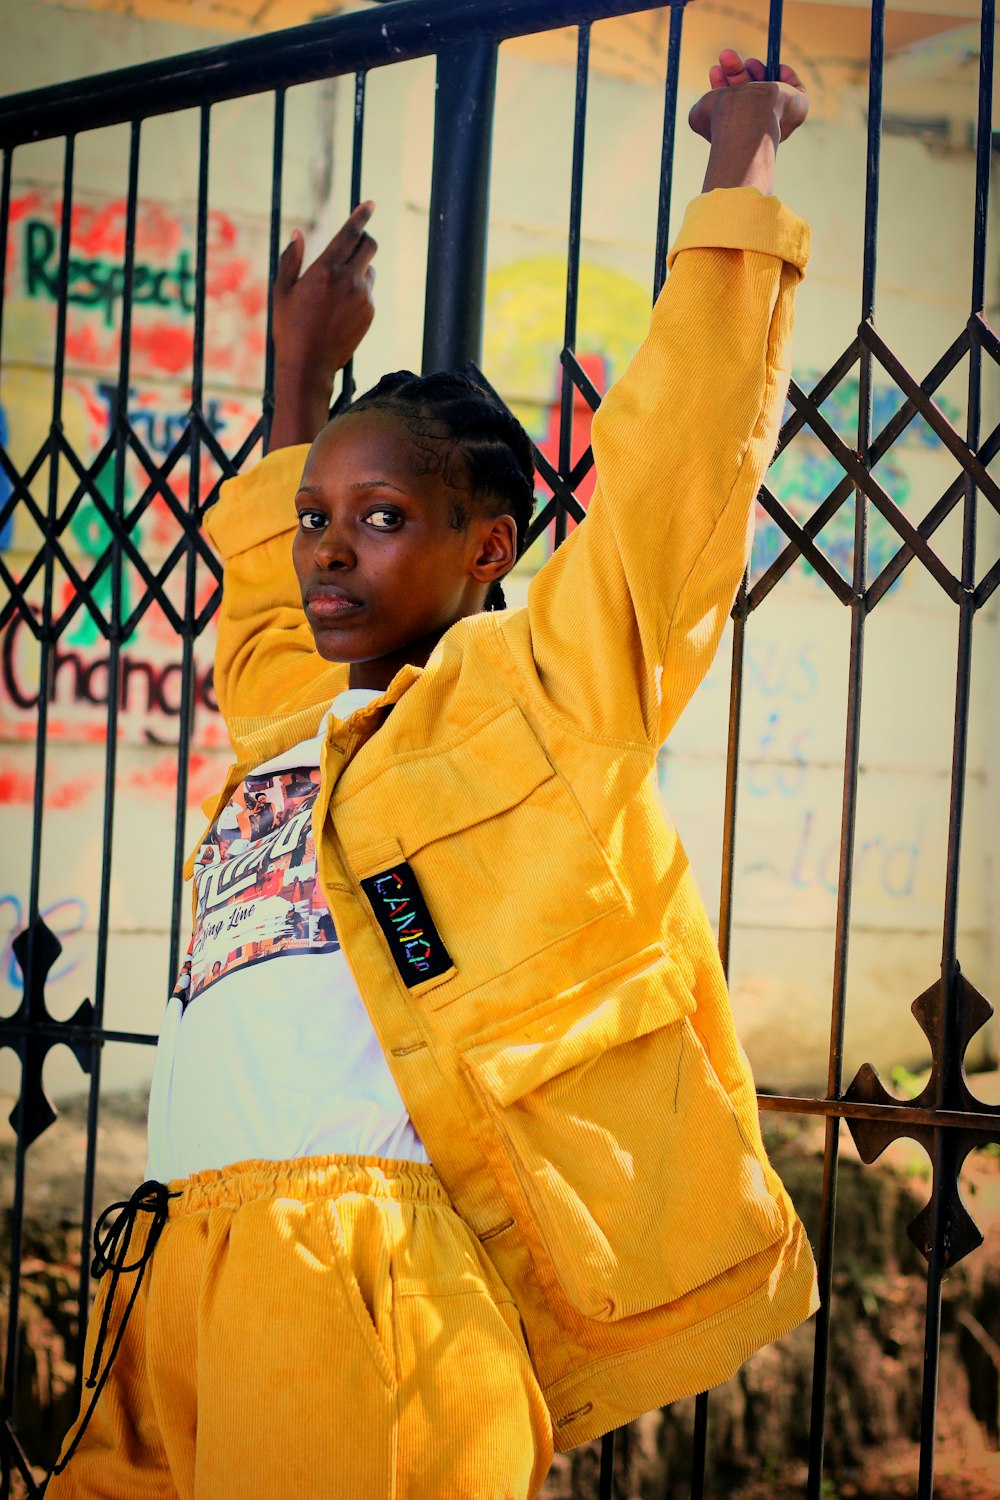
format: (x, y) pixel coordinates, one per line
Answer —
(561, 1035)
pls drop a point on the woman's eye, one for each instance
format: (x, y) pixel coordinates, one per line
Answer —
(384, 520)
(311, 520)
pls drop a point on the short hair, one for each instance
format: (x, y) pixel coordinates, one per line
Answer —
(470, 439)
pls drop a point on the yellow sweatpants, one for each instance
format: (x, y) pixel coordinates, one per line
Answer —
(327, 1329)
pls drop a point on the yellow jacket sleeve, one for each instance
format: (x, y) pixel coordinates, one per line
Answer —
(626, 617)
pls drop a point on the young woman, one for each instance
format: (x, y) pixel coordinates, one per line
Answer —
(480, 1172)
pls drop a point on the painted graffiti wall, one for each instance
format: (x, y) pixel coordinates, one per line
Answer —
(796, 672)
(159, 480)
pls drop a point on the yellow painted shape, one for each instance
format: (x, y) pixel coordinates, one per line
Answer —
(525, 312)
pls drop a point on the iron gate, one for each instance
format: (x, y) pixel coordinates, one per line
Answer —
(946, 1118)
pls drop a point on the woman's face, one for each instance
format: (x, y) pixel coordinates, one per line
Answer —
(382, 568)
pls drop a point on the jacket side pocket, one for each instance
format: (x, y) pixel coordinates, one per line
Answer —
(640, 1184)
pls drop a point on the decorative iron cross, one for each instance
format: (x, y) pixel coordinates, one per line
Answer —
(32, 1031)
(943, 1095)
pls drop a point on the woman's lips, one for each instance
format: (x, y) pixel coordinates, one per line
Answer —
(330, 606)
(323, 596)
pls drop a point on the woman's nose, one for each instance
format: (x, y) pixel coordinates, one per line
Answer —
(333, 549)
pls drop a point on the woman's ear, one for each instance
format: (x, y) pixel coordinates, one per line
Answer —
(497, 550)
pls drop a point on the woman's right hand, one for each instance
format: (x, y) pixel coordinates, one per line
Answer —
(744, 118)
(743, 86)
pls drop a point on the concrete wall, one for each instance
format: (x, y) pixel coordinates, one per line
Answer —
(797, 652)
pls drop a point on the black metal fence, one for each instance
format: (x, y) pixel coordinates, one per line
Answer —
(947, 1119)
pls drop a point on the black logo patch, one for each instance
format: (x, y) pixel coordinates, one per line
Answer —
(401, 912)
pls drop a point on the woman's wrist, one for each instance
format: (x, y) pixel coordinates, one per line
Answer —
(745, 136)
(301, 408)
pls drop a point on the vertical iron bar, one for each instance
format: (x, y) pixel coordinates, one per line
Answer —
(948, 1057)
(111, 743)
(5, 1467)
(357, 145)
(186, 717)
(8, 158)
(699, 1438)
(606, 1482)
(732, 778)
(274, 252)
(357, 140)
(831, 1151)
(10, 1360)
(984, 148)
(460, 193)
(699, 1446)
(41, 745)
(567, 390)
(774, 39)
(17, 1221)
(667, 148)
(567, 397)
(948, 1051)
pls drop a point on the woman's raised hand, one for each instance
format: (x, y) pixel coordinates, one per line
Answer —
(318, 319)
(744, 117)
(732, 76)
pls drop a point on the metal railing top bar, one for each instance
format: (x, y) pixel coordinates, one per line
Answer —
(356, 41)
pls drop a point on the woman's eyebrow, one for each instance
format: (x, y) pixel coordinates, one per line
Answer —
(375, 484)
(359, 484)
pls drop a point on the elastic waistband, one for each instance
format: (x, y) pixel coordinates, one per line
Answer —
(305, 1180)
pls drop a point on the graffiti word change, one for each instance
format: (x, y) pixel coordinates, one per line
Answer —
(79, 677)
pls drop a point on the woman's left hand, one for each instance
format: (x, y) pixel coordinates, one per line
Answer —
(318, 318)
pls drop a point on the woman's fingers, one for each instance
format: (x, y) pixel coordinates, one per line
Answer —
(789, 76)
(733, 67)
(349, 237)
(728, 71)
(363, 253)
(732, 71)
(290, 261)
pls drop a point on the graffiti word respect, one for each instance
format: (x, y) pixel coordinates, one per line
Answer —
(99, 282)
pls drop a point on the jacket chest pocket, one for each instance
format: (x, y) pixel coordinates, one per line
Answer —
(638, 1180)
(502, 856)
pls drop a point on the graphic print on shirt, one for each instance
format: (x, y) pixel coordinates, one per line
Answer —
(255, 875)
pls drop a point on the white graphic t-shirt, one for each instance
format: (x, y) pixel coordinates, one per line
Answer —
(259, 1057)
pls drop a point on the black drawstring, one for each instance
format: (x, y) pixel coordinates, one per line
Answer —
(111, 1246)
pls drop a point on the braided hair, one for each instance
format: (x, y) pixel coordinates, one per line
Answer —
(466, 436)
